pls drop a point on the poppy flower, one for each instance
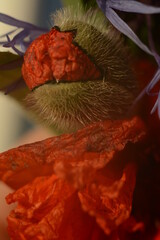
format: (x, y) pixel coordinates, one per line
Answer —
(93, 183)
(88, 185)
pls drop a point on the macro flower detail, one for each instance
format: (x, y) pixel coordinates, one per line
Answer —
(54, 56)
(99, 180)
(85, 65)
(108, 7)
(89, 184)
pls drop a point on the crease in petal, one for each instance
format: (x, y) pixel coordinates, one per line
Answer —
(108, 208)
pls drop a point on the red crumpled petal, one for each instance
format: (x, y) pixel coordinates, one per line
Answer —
(73, 155)
(109, 204)
(99, 178)
(42, 61)
(49, 209)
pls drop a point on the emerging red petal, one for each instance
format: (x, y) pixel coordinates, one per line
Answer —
(42, 61)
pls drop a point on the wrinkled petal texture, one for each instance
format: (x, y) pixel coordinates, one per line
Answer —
(54, 56)
(91, 193)
(71, 155)
(47, 209)
(108, 199)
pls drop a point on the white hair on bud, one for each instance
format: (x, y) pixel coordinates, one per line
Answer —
(70, 106)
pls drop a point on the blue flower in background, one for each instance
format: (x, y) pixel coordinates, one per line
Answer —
(27, 30)
(109, 7)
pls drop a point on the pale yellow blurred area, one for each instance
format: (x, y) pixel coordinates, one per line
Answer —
(10, 122)
(13, 129)
(26, 10)
(16, 128)
(12, 135)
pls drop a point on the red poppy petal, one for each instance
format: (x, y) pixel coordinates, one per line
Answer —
(103, 140)
(49, 206)
(49, 209)
(72, 155)
(110, 205)
(38, 203)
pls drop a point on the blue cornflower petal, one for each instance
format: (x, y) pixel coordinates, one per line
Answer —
(107, 7)
(18, 23)
(153, 82)
(17, 39)
(4, 35)
(149, 87)
(29, 30)
(132, 6)
(13, 47)
(125, 29)
(159, 104)
(155, 107)
(24, 45)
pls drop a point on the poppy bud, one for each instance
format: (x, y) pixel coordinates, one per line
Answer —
(79, 72)
(54, 56)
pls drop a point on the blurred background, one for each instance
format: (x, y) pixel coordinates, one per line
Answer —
(14, 122)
